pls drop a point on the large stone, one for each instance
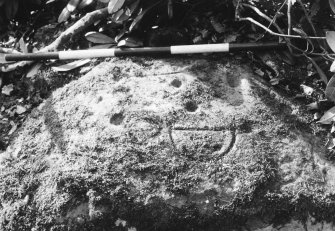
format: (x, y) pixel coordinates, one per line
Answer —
(163, 144)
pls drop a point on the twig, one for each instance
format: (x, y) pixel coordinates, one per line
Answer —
(76, 28)
(289, 19)
(277, 13)
(277, 34)
(307, 17)
(322, 75)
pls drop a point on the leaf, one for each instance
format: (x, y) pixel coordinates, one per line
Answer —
(330, 89)
(120, 35)
(115, 5)
(85, 3)
(332, 67)
(117, 15)
(133, 7)
(332, 5)
(71, 66)
(328, 117)
(64, 15)
(130, 42)
(322, 75)
(307, 90)
(97, 37)
(23, 46)
(330, 37)
(34, 70)
(134, 25)
(11, 8)
(72, 5)
(2, 2)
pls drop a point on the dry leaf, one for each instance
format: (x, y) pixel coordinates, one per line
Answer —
(71, 66)
(330, 89)
(97, 37)
(306, 89)
(34, 70)
(328, 117)
(115, 5)
(330, 37)
(6, 90)
(218, 27)
(13, 129)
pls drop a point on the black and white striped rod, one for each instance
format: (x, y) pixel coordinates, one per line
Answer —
(111, 52)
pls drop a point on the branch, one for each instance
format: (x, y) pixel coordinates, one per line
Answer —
(277, 13)
(76, 28)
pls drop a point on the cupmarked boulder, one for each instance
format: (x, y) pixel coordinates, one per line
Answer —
(165, 144)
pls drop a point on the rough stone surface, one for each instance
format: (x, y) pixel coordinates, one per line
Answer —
(164, 144)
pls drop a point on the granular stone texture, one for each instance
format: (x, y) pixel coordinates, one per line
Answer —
(164, 144)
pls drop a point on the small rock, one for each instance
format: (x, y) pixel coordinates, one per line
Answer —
(20, 110)
(6, 90)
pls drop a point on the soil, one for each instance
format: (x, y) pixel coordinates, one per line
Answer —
(182, 143)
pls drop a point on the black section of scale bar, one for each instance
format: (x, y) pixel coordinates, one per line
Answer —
(255, 46)
(32, 56)
(142, 51)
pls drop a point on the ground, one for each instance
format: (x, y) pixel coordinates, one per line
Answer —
(180, 143)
